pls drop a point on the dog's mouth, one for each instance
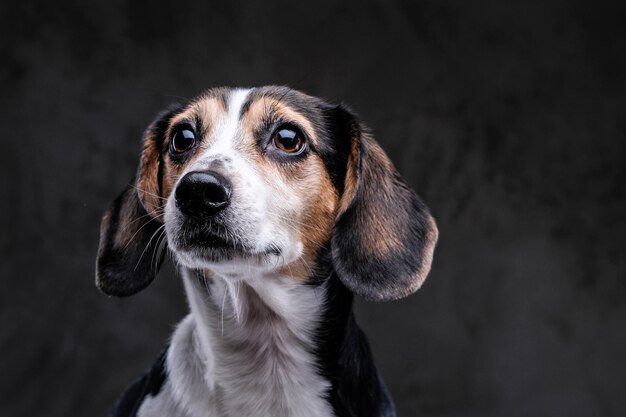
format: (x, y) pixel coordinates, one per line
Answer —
(215, 245)
(210, 241)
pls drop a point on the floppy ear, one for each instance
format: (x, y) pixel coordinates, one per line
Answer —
(384, 237)
(129, 239)
(131, 234)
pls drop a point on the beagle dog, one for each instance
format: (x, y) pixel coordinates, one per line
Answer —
(276, 207)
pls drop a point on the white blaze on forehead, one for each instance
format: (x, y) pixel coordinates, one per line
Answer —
(229, 125)
(235, 103)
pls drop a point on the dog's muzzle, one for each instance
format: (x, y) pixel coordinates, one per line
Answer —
(202, 194)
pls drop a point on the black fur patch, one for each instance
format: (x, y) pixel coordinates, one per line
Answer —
(122, 270)
(148, 385)
(345, 359)
(339, 124)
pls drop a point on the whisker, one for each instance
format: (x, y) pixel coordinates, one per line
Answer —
(206, 283)
(223, 304)
(158, 217)
(139, 230)
(148, 245)
(161, 243)
(147, 192)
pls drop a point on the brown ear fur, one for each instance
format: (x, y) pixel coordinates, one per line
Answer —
(384, 238)
(129, 256)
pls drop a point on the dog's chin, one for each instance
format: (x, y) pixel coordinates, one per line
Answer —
(209, 251)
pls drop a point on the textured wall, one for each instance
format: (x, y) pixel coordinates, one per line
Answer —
(508, 117)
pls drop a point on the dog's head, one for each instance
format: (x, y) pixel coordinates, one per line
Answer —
(263, 181)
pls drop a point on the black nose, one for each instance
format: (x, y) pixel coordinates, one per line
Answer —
(202, 193)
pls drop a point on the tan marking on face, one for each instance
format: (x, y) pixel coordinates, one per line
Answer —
(318, 218)
(147, 182)
(268, 107)
(313, 219)
(209, 110)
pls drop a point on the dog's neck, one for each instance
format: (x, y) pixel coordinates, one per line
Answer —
(256, 337)
(272, 346)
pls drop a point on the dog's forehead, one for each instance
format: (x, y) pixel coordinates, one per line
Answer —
(298, 101)
(251, 108)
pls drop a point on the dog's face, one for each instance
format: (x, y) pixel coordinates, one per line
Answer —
(263, 181)
(246, 182)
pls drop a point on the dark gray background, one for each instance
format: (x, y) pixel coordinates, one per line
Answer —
(507, 117)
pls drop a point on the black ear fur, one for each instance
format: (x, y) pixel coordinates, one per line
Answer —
(384, 237)
(128, 256)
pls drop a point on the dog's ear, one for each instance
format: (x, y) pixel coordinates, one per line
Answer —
(132, 239)
(129, 238)
(384, 236)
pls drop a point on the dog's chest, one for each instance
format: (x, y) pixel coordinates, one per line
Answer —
(273, 376)
(236, 355)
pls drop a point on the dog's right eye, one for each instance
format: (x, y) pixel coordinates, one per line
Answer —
(289, 140)
(182, 141)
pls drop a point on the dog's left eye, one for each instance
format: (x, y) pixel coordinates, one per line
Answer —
(182, 141)
(288, 140)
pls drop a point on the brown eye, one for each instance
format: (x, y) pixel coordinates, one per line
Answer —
(182, 141)
(288, 140)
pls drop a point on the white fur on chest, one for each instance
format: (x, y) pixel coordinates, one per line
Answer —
(245, 350)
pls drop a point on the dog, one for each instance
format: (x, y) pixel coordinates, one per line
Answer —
(277, 207)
